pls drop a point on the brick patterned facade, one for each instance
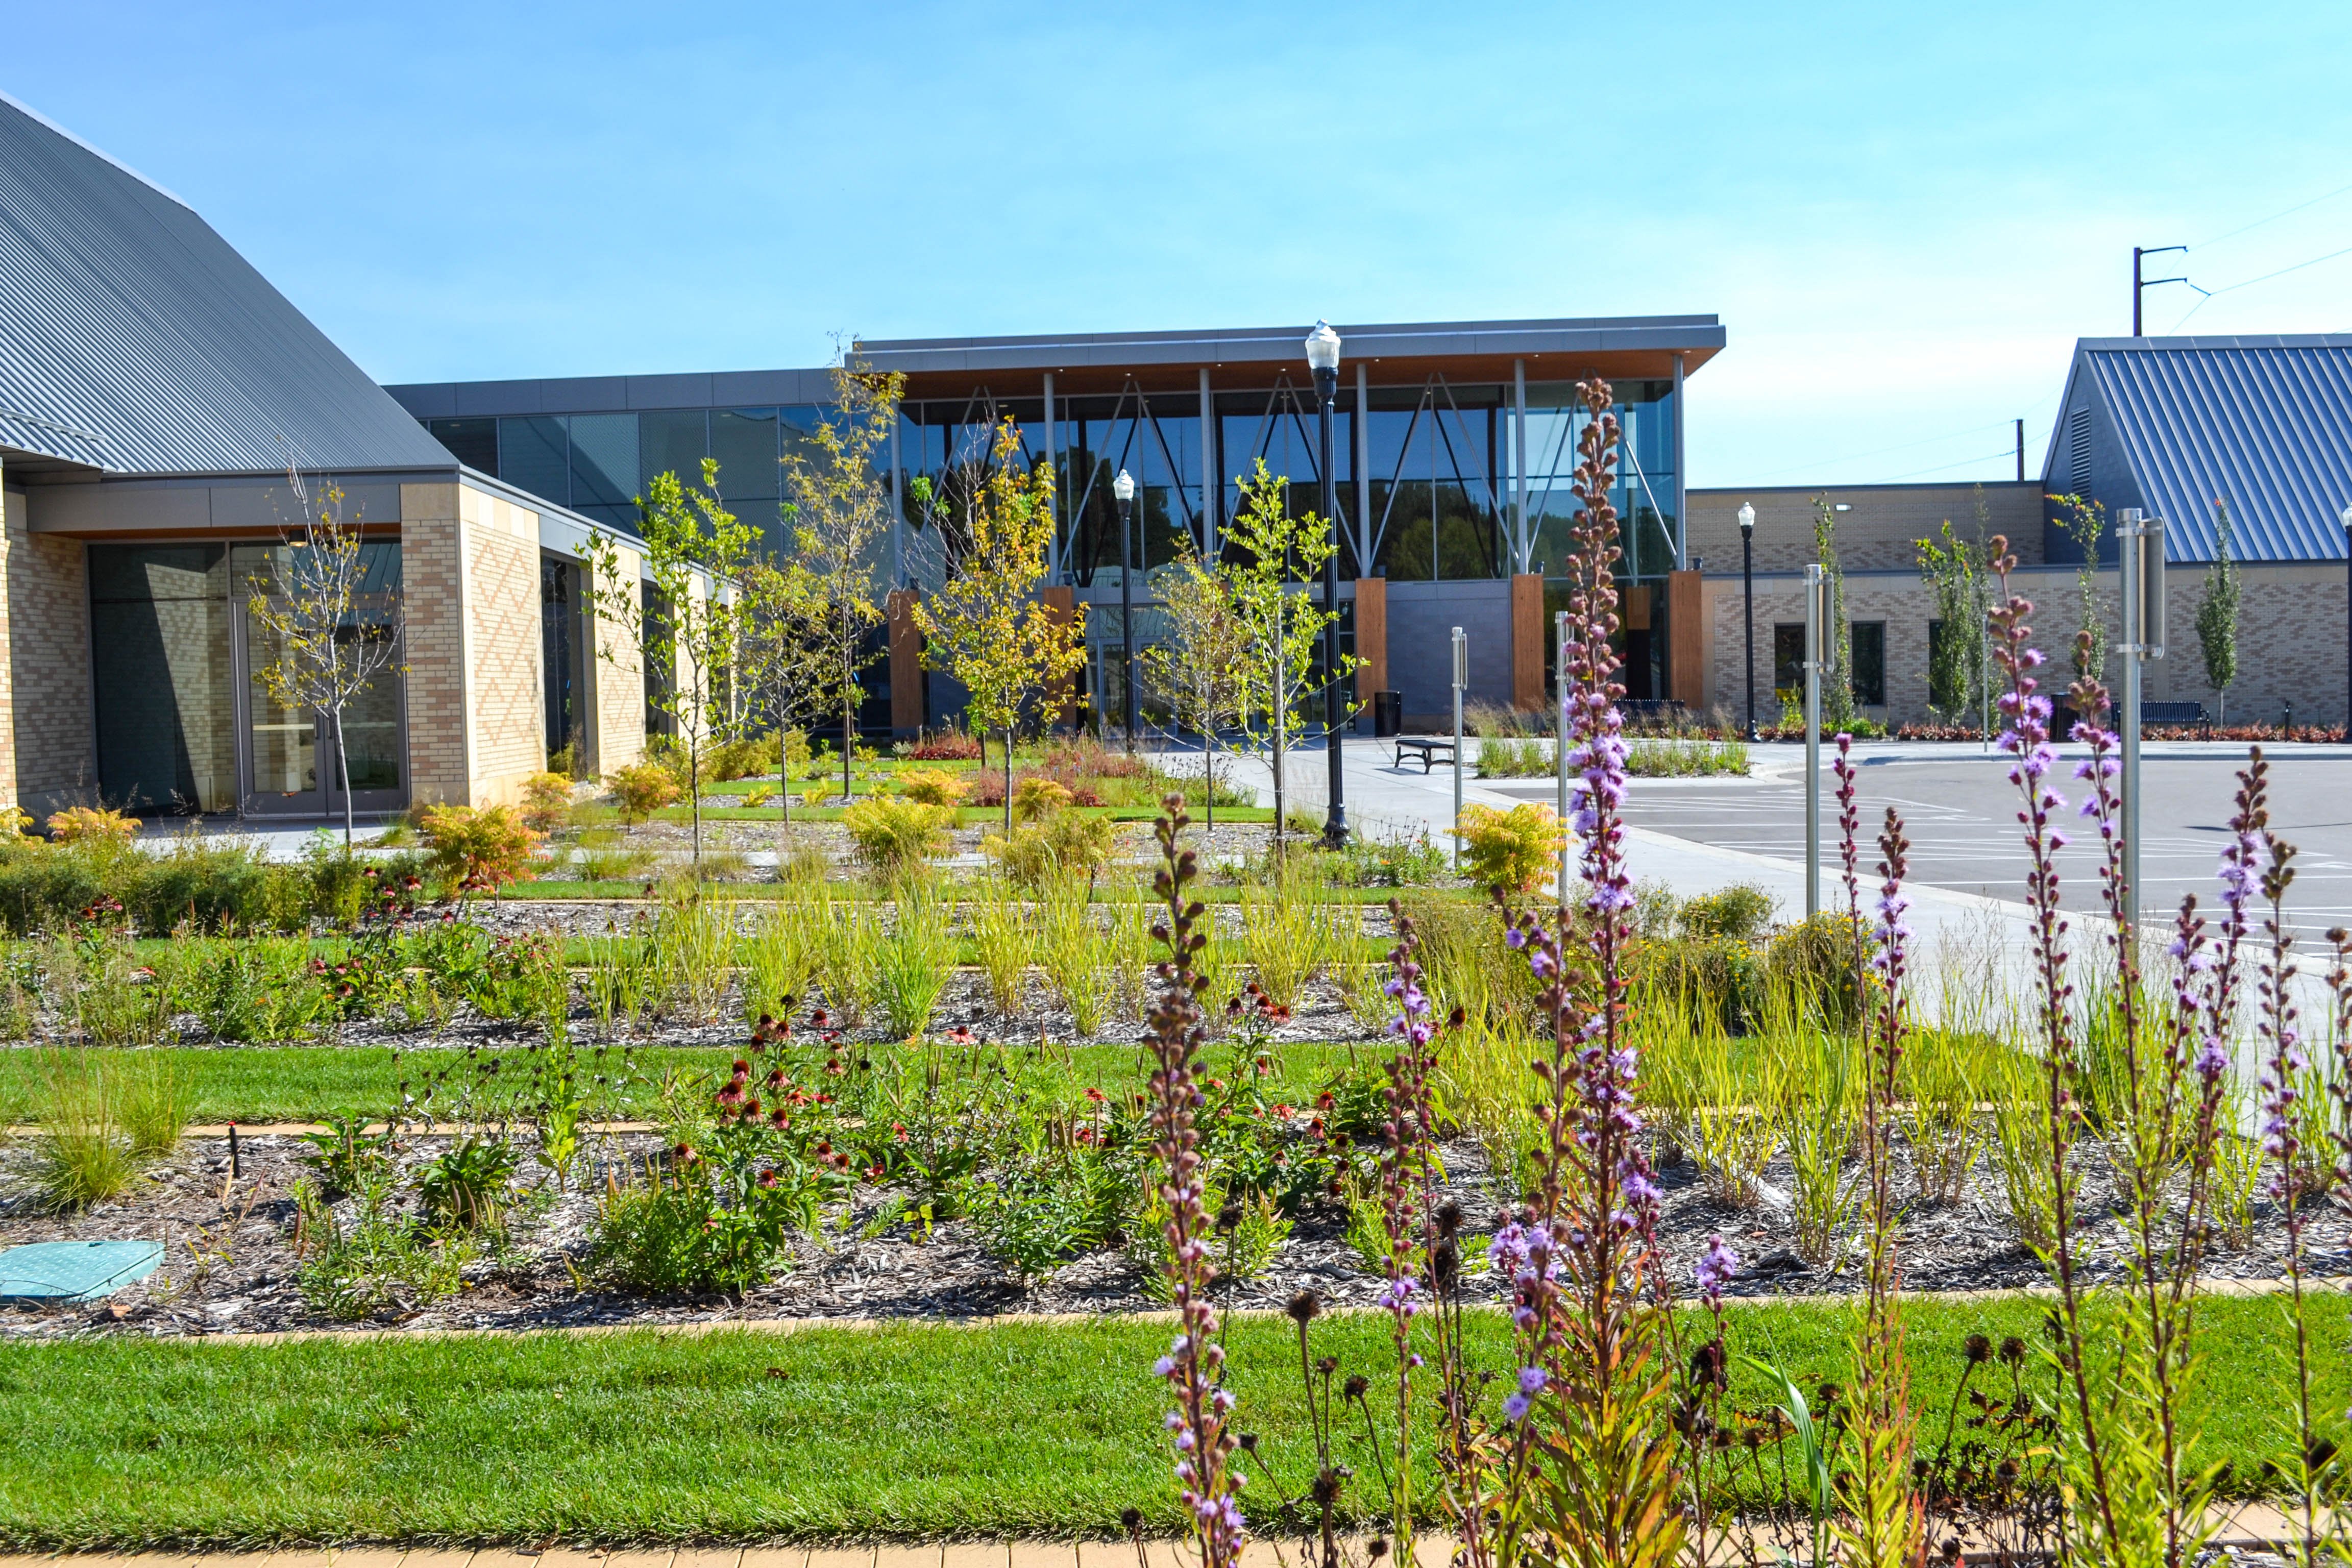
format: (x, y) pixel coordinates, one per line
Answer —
(506, 687)
(2291, 637)
(617, 676)
(1877, 534)
(49, 753)
(432, 586)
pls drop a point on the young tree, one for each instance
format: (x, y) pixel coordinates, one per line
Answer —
(1279, 628)
(1954, 570)
(986, 626)
(838, 502)
(787, 657)
(2085, 522)
(1837, 680)
(329, 632)
(694, 555)
(2217, 615)
(1198, 669)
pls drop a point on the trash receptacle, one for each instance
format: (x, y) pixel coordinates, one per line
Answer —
(1388, 713)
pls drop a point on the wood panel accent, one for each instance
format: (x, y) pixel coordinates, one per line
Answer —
(1062, 606)
(1371, 637)
(1527, 643)
(909, 711)
(1686, 641)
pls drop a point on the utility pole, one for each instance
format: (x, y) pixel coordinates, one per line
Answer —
(2140, 539)
(1816, 632)
(2020, 451)
(2140, 284)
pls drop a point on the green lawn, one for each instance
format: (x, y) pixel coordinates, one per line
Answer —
(1112, 887)
(918, 1430)
(967, 816)
(306, 1083)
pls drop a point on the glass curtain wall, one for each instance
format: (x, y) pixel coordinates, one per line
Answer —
(159, 646)
(289, 753)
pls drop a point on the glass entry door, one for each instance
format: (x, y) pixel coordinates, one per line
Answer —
(287, 755)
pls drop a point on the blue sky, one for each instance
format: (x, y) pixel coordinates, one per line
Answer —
(1905, 213)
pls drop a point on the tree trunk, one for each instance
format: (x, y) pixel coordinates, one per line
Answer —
(1008, 784)
(784, 803)
(694, 800)
(1209, 771)
(343, 769)
(849, 739)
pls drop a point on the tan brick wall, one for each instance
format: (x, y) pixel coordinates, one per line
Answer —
(617, 676)
(12, 523)
(2291, 639)
(506, 689)
(1876, 535)
(433, 587)
(51, 730)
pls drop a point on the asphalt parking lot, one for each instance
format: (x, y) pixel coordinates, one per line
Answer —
(1960, 813)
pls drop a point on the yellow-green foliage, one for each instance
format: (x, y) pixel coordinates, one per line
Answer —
(83, 824)
(1037, 798)
(482, 846)
(932, 786)
(893, 835)
(642, 789)
(546, 802)
(1067, 842)
(1512, 849)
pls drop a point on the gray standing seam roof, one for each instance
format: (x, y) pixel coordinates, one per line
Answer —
(2263, 423)
(134, 340)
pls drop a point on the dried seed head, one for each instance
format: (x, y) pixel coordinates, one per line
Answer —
(1304, 1308)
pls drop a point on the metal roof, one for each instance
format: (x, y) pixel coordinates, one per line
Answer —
(134, 339)
(2264, 423)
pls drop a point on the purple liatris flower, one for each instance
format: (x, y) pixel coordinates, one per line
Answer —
(1715, 1267)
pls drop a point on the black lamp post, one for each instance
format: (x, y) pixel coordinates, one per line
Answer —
(1123, 488)
(1748, 583)
(1323, 359)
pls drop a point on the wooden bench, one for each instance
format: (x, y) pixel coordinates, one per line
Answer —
(1425, 748)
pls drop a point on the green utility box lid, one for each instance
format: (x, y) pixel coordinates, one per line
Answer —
(44, 1271)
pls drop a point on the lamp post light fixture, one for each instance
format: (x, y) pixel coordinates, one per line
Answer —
(1323, 359)
(1123, 488)
(1748, 585)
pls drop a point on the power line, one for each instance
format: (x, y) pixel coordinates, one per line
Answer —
(2285, 212)
(2031, 408)
(2233, 287)
(1946, 467)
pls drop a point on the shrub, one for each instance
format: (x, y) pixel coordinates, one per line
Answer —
(759, 793)
(1034, 797)
(83, 1154)
(893, 835)
(546, 802)
(82, 824)
(484, 846)
(1740, 912)
(949, 745)
(1513, 850)
(642, 789)
(41, 885)
(1067, 842)
(209, 884)
(1814, 959)
(932, 786)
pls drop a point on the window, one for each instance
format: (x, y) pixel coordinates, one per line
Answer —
(1870, 664)
(533, 456)
(473, 442)
(1788, 656)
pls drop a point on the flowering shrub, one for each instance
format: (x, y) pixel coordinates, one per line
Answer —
(479, 846)
(91, 825)
(1510, 851)
(946, 746)
(644, 788)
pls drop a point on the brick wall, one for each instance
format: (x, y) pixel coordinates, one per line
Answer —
(2291, 639)
(1878, 534)
(506, 689)
(50, 730)
(617, 676)
(434, 634)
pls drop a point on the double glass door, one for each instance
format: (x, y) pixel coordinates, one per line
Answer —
(288, 761)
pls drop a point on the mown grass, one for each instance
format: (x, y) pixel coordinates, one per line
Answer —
(254, 1084)
(923, 1430)
(1108, 890)
(966, 816)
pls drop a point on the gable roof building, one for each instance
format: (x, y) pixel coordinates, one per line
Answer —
(2172, 424)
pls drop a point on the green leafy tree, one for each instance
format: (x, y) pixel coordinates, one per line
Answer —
(2216, 613)
(1280, 626)
(787, 658)
(1837, 679)
(2085, 522)
(987, 626)
(837, 502)
(1198, 668)
(1954, 570)
(321, 632)
(693, 554)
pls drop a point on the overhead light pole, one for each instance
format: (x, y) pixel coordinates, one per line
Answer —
(1323, 359)
(1748, 585)
(1123, 488)
(2141, 540)
(1816, 631)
